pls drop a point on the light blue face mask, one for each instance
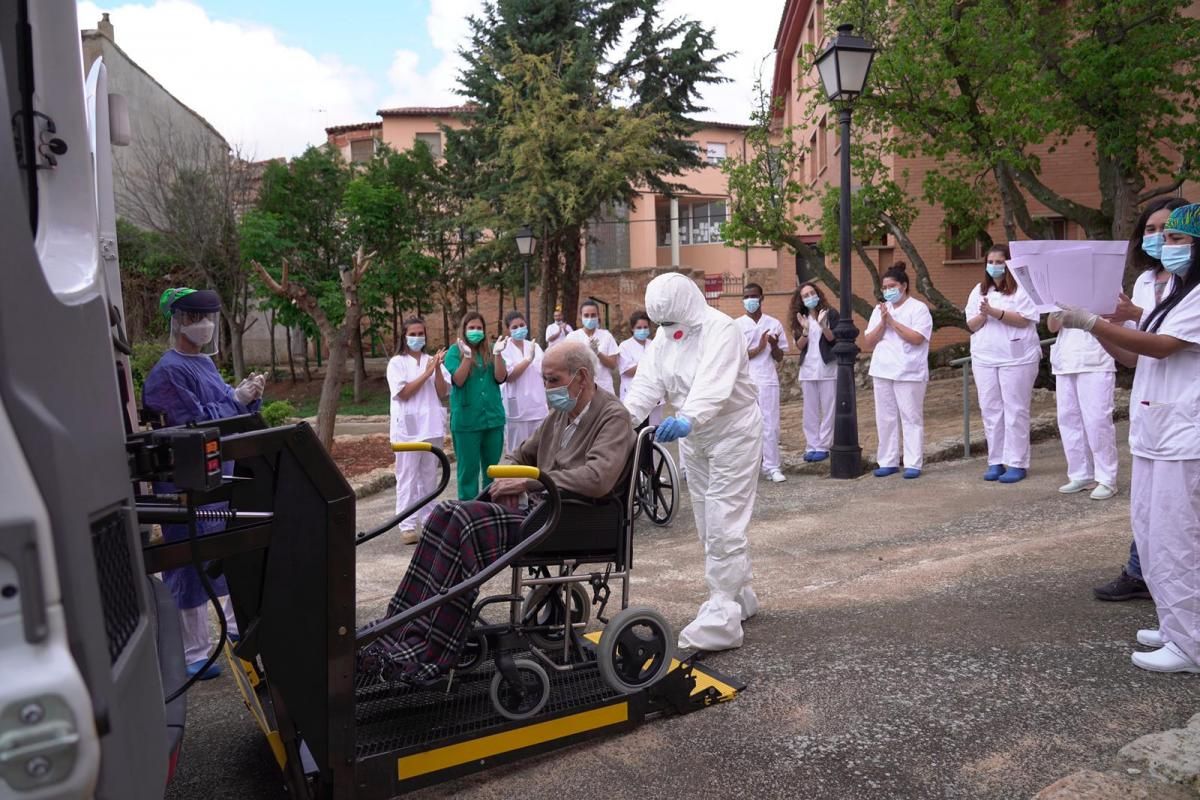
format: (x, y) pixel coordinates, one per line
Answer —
(559, 398)
(812, 301)
(891, 295)
(1176, 258)
(1152, 244)
(415, 342)
(591, 323)
(641, 334)
(751, 304)
(520, 333)
(996, 271)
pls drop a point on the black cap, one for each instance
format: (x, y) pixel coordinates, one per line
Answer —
(204, 301)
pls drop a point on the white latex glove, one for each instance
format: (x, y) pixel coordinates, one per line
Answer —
(464, 348)
(499, 346)
(1071, 317)
(260, 383)
(245, 392)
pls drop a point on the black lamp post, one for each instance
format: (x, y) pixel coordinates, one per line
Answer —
(843, 67)
(526, 243)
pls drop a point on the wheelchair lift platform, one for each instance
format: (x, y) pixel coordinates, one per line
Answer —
(408, 738)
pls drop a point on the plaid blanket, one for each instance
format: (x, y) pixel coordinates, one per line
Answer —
(457, 541)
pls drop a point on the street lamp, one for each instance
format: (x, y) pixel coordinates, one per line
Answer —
(843, 67)
(526, 243)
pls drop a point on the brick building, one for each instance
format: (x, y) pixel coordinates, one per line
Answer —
(628, 245)
(1070, 170)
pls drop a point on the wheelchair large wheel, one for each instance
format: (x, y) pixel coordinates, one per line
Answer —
(656, 489)
(543, 608)
(635, 650)
(473, 654)
(525, 700)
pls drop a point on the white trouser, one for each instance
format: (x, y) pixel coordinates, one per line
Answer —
(723, 460)
(768, 405)
(900, 407)
(1085, 422)
(1005, 394)
(516, 432)
(197, 631)
(1164, 508)
(820, 401)
(416, 476)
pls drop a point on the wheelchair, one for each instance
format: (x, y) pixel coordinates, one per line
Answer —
(656, 482)
(572, 551)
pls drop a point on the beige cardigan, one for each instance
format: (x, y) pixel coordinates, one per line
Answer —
(592, 462)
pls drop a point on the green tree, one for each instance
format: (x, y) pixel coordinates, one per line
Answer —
(602, 55)
(985, 85)
(319, 272)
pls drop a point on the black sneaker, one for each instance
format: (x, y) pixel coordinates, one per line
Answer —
(1126, 587)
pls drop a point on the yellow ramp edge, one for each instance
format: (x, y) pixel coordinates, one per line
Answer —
(497, 743)
(703, 679)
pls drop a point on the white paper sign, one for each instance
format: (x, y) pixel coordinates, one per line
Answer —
(1083, 274)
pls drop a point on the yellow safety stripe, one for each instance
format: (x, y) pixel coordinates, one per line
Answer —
(489, 746)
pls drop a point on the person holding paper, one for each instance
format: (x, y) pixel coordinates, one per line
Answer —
(1004, 362)
(899, 331)
(1145, 247)
(1164, 437)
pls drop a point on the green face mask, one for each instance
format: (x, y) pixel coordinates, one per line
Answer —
(475, 337)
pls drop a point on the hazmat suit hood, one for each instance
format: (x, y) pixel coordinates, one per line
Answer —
(675, 298)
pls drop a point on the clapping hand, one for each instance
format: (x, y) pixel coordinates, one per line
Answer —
(464, 348)
(985, 307)
(824, 315)
(802, 319)
(885, 314)
(499, 346)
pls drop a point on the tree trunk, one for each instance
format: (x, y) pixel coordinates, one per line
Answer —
(446, 340)
(271, 333)
(331, 388)
(307, 367)
(572, 250)
(360, 364)
(549, 281)
(235, 349)
(395, 323)
(500, 308)
(291, 358)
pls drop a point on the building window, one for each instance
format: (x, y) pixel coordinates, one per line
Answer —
(715, 152)
(813, 160)
(361, 150)
(700, 222)
(1058, 228)
(823, 144)
(608, 239)
(967, 251)
(433, 141)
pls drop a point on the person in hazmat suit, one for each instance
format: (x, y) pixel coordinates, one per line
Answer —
(698, 362)
(185, 386)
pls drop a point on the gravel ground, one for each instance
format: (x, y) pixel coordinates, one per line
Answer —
(918, 639)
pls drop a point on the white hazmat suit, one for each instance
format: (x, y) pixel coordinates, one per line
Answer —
(699, 363)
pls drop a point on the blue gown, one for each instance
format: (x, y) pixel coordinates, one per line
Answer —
(190, 389)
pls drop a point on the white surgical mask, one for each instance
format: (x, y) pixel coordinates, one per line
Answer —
(199, 333)
(1176, 258)
(891, 295)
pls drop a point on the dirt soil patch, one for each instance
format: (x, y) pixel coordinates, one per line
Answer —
(356, 455)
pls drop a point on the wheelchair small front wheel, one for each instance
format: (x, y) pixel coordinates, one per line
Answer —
(635, 650)
(525, 699)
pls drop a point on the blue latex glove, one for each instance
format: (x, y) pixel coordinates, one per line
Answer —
(672, 428)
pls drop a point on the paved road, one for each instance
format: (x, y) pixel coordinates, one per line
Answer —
(918, 639)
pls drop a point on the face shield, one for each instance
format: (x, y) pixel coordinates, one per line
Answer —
(196, 332)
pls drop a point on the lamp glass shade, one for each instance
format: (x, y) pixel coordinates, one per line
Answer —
(526, 241)
(845, 64)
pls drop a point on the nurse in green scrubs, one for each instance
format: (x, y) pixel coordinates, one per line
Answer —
(476, 411)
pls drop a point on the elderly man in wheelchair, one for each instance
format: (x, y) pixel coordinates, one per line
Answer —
(586, 448)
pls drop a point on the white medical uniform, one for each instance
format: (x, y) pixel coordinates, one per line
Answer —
(901, 374)
(1164, 437)
(420, 418)
(524, 398)
(1085, 375)
(559, 329)
(1145, 294)
(629, 356)
(700, 365)
(606, 346)
(766, 380)
(818, 382)
(1004, 363)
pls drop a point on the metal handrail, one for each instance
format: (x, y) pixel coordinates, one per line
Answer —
(966, 393)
